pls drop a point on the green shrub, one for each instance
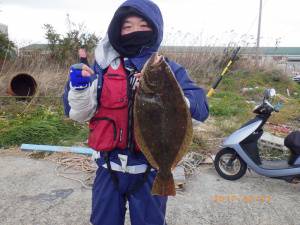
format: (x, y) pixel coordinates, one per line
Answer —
(7, 47)
(64, 48)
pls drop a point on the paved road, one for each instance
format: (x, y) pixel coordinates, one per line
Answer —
(31, 193)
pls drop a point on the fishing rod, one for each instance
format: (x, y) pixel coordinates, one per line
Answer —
(232, 59)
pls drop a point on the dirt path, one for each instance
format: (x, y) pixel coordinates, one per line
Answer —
(31, 193)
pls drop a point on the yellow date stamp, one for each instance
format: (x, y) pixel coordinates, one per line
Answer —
(241, 198)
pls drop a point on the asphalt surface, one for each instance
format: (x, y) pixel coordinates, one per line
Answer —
(32, 193)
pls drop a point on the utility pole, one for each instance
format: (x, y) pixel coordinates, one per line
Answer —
(258, 33)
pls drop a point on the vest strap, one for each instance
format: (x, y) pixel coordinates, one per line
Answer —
(112, 173)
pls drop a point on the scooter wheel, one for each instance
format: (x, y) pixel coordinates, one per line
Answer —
(229, 165)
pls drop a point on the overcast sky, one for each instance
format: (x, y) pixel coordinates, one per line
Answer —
(187, 22)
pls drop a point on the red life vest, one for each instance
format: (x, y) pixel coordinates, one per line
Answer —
(109, 126)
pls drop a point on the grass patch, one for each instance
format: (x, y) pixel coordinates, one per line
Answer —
(42, 125)
(267, 79)
(228, 104)
(289, 113)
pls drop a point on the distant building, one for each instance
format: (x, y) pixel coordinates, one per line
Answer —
(286, 58)
(33, 49)
(3, 29)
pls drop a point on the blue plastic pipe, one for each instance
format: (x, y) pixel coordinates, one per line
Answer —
(53, 148)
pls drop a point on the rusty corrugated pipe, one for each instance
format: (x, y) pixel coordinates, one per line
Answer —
(22, 85)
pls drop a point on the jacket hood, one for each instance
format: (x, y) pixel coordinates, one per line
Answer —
(148, 10)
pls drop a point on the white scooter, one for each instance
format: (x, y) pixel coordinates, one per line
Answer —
(240, 150)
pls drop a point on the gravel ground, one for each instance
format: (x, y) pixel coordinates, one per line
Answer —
(31, 193)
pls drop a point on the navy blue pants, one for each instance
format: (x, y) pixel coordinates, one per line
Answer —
(108, 201)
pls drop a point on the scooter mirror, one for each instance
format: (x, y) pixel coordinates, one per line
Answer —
(269, 93)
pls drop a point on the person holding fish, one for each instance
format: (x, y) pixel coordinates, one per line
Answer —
(104, 96)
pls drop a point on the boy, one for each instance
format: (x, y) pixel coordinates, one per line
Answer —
(105, 98)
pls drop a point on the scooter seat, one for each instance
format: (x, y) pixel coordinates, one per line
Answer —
(292, 141)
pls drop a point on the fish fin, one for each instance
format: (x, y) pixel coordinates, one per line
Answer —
(185, 144)
(151, 160)
(164, 186)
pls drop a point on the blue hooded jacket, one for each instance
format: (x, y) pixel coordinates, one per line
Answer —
(150, 11)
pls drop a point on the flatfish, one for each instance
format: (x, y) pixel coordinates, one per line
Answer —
(162, 122)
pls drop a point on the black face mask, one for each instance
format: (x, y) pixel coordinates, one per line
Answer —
(131, 44)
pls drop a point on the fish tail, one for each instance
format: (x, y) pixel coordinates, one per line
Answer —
(164, 185)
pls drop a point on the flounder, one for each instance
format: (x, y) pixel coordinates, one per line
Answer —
(162, 122)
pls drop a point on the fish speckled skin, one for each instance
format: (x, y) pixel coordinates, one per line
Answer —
(162, 122)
